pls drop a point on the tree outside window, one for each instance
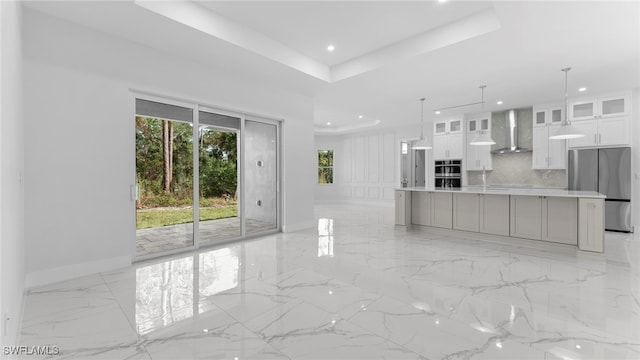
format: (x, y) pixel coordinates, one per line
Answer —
(325, 166)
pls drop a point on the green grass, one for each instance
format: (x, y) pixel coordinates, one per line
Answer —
(169, 216)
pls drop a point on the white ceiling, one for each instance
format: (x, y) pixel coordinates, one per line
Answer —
(394, 52)
(355, 28)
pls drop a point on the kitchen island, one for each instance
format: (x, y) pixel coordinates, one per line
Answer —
(552, 215)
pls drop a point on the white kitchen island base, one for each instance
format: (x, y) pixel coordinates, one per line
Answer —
(547, 215)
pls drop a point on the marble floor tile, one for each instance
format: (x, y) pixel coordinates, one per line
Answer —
(353, 287)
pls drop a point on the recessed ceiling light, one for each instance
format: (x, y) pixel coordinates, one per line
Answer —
(582, 89)
(499, 102)
(437, 112)
(331, 48)
(359, 116)
(441, 1)
(328, 123)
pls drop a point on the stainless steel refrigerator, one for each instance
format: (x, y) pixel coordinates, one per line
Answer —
(607, 171)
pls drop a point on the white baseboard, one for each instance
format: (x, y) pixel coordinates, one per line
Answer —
(49, 276)
(299, 226)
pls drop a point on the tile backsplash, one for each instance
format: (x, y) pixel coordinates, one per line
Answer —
(514, 169)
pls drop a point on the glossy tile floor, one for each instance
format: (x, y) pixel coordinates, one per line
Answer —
(355, 287)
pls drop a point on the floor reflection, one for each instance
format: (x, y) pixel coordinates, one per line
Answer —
(325, 237)
(164, 294)
(167, 292)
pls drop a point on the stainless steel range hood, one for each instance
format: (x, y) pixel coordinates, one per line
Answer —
(511, 135)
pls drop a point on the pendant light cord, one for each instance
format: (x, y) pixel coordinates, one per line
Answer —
(481, 107)
(422, 119)
(566, 96)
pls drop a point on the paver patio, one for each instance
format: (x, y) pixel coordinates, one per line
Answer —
(166, 238)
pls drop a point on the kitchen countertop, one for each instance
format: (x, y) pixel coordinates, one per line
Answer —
(513, 191)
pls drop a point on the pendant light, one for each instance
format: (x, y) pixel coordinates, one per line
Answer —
(422, 143)
(566, 130)
(482, 137)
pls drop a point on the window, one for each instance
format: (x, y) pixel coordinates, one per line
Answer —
(325, 166)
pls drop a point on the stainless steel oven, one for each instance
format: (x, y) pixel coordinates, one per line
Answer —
(448, 173)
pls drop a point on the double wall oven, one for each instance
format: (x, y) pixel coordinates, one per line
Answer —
(448, 173)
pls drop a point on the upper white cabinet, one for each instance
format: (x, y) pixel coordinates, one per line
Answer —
(480, 122)
(447, 139)
(548, 154)
(605, 120)
(446, 127)
(603, 132)
(600, 107)
(478, 157)
(547, 115)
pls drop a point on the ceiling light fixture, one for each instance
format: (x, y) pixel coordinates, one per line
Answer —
(482, 137)
(566, 130)
(442, 1)
(328, 123)
(582, 89)
(499, 102)
(422, 143)
(360, 116)
(330, 48)
(437, 112)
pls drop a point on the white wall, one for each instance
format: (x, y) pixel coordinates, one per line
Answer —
(635, 167)
(80, 141)
(12, 248)
(367, 164)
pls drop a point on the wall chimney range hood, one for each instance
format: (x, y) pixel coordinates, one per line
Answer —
(511, 135)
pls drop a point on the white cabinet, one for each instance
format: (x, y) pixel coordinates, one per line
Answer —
(441, 209)
(403, 207)
(478, 157)
(480, 122)
(605, 120)
(483, 213)
(526, 217)
(591, 220)
(494, 214)
(547, 153)
(466, 212)
(421, 208)
(614, 131)
(544, 218)
(614, 105)
(447, 139)
(546, 115)
(560, 220)
(446, 127)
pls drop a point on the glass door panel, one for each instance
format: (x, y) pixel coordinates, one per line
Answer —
(219, 218)
(164, 179)
(261, 177)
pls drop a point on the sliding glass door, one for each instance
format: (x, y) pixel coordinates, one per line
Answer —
(164, 181)
(203, 176)
(218, 144)
(261, 176)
